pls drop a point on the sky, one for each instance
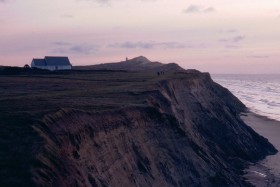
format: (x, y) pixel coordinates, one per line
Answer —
(217, 36)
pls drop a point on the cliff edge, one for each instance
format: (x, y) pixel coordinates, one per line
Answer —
(177, 129)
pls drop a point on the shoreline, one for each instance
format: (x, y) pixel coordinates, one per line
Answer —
(266, 172)
(258, 115)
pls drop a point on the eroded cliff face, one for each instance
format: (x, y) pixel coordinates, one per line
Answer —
(187, 133)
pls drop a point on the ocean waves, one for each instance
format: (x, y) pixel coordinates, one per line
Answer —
(260, 93)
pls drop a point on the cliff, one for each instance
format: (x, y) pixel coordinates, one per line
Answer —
(178, 129)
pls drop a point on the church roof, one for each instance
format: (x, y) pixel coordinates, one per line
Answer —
(52, 61)
(39, 62)
(57, 61)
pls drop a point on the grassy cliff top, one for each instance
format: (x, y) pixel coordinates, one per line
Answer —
(85, 90)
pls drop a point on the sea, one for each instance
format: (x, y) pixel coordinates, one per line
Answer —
(260, 93)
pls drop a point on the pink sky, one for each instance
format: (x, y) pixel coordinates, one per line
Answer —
(219, 36)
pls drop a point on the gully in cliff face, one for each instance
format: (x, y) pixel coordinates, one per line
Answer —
(100, 128)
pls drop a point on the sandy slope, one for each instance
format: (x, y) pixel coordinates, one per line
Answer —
(267, 171)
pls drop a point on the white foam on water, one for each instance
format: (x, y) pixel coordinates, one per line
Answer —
(260, 93)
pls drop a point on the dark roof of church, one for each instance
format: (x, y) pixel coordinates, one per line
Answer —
(57, 61)
(52, 61)
(39, 62)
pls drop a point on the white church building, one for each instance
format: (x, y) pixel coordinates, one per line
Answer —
(52, 63)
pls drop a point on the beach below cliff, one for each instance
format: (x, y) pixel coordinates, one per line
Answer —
(267, 171)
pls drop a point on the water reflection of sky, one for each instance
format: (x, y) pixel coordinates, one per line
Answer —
(260, 93)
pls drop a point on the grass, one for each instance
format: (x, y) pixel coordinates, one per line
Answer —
(77, 89)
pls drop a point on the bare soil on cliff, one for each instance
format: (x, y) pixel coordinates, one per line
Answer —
(265, 173)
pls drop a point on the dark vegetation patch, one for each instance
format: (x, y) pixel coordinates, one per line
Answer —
(17, 149)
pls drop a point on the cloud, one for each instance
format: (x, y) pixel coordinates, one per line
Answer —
(97, 1)
(174, 45)
(61, 43)
(69, 48)
(67, 16)
(108, 2)
(209, 9)
(228, 31)
(102, 2)
(84, 49)
(230, 46)
(232, 42)
(258, 56)
(231, 31)
(133, 45)
(234, 39)
(199, 9)
(149, 45)
(238, 38)
(5, 1)
(192, 9)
